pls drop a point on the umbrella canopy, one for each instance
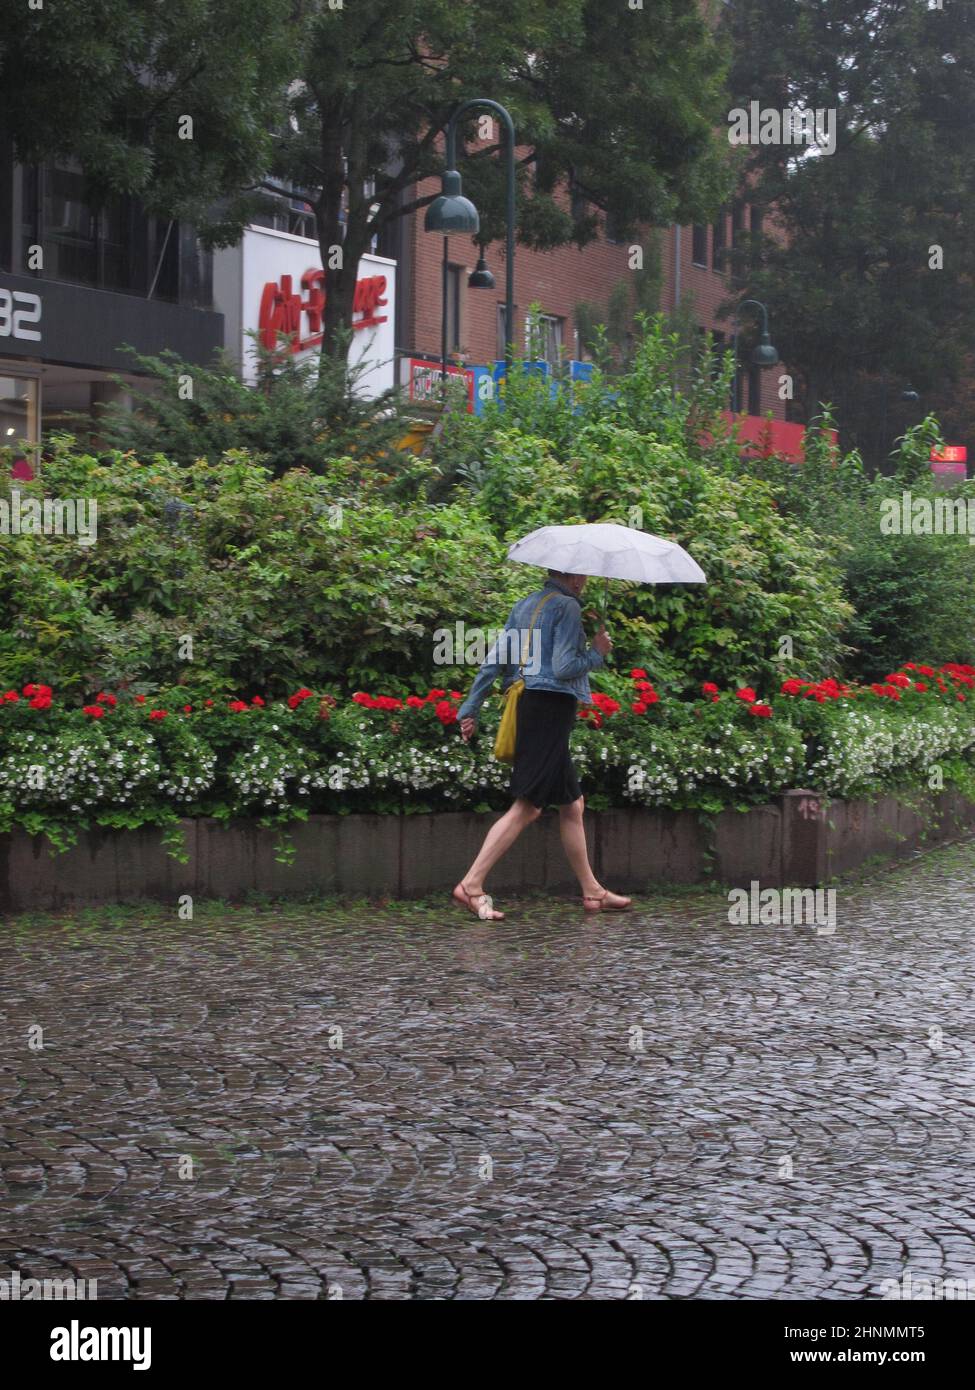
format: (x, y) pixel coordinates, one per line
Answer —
(610, 551)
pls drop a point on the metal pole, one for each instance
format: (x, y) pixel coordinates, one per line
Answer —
(509, 269)
(443, 321)
(734, 380)
(758, 305)
(509, 305)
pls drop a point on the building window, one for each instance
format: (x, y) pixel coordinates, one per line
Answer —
(549, 345)
(737, 221)
(288, 212)
(699, 245)
(612, 229)
(718, 243)
(454, 273)
(111, 246)
(70, 225)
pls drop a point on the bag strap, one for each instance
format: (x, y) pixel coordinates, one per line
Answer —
(531, 628)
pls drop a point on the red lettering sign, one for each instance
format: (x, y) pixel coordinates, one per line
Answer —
(282, 309)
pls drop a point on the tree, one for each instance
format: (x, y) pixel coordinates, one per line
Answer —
(619, 103)
(849, 272)
(149, 99)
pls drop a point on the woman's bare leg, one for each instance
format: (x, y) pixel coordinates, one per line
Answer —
(573, 832)
(499, 839)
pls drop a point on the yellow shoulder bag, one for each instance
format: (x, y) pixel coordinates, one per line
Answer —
(504, 744)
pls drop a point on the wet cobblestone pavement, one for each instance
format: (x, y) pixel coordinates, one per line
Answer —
(794, 1125)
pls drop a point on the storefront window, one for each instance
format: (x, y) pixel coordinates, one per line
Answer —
(70, 228)
(18, 411)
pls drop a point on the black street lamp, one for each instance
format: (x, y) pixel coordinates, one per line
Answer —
(763, 355)
(452, 212)
(481, 278)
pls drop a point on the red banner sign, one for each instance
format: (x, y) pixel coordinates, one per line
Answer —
(282, 308)
(951, 453)
(424, 380)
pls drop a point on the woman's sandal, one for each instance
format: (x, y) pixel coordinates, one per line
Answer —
(482, 906)
(616, 902)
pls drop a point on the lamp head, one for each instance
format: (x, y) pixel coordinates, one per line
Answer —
(909, 394)
(452, 212)
(481, 278)
(765, 354)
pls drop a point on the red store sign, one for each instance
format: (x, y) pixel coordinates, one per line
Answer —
(425, 379)
(282, 309)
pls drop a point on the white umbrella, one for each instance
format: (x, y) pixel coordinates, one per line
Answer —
(610, 551)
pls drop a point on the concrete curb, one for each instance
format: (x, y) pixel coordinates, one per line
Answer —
(796, 840)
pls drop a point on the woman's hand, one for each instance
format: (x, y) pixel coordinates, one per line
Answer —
(602, 642)
(467, 727)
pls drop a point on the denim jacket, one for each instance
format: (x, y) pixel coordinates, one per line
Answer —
(557, 655)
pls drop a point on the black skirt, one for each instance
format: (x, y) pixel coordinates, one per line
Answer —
(543, 773)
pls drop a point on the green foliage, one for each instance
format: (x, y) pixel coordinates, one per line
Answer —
(306, 578)
(910, 595)
(858, 306)
(298, 414)
(108, 82)
(627, 120)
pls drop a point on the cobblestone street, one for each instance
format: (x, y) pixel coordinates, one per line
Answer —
(490, 1122)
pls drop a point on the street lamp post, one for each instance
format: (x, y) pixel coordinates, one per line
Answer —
(452, 212)
(764, 355)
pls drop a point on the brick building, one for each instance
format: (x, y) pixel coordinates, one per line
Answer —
(694, 271)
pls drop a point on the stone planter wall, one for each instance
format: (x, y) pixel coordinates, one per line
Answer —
(796, 840)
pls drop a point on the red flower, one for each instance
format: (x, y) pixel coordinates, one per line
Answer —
(141, 699)
(93, 711)
(387, 702)
(637, 674)
(187, 709)
(456, 695)
(606, 704)
(237, 706)
(41, 702)
(435, 695)
(709, 688)
(445, 712)
(103, 698)
(792, 686)
(747, 694)
(158, 714)
(921, 685)
(11, 696)
(208, 703)
(359, 698)
(414, 701)
(898, 679)
(650, 697)
(303, 694)
(34, 689)
(258, 701)
(760, 711)
(638, 707)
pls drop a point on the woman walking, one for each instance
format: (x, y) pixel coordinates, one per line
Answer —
(556, 665)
